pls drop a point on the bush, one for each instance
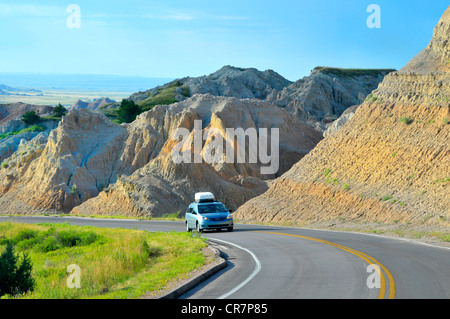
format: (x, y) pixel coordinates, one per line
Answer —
(70, 238)
(31, 118)
(127, 111)
(25, 234)
(15, 278)
(407, 120)
(50, 240)
(49, 244)
(59, 110)
(74, 190)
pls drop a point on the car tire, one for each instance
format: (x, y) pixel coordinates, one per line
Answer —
(187, 227)
(230, 229)
(199, 230)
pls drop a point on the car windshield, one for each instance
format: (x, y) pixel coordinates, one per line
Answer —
(212, 208)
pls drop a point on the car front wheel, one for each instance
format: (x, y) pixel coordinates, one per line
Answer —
(187, 227)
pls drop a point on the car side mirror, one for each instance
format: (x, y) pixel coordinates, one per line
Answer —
(230, 210)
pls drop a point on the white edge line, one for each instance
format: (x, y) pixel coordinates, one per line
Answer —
(252, 275)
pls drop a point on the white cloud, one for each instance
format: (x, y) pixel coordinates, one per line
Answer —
(231, 18)
(30, 10)
(179, 17)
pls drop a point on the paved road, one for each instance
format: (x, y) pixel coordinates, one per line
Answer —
(293, 263)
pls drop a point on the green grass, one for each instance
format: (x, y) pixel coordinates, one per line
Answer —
(52, 118)
(444, 180)
(173, 216)
(74, 190)
(34, 128)
(371, 98)
(115, 263)
(407, 120)
(164, 95)
(353, 72)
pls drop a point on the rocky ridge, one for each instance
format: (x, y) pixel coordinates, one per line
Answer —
(96, 105)
(322, 97)
(317, 99)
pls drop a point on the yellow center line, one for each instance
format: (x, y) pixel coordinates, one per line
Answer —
(365, 257)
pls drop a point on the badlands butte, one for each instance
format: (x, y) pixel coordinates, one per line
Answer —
(356, 145)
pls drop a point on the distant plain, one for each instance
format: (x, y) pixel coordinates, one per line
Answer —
(65, 97)
(68, 88)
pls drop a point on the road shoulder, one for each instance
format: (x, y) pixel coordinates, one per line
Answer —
(214, 263)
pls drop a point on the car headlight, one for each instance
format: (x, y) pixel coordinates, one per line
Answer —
(229, 217)
(205, 218)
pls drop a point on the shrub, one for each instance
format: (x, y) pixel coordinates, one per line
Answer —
(31, 118)
(407, 120)
(70, 238)
(51, 239)
(25, 234)
(49, 244)
(74, 190)
(128, 111)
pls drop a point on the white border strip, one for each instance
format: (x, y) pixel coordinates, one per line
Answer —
(252, 275)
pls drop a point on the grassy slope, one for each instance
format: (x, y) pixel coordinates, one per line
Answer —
(352, 72)
(165, 95)
(34, 128)
(115, 263)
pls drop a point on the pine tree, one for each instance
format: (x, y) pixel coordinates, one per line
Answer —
(15, 279)
(128, 111)
(24, 279)
(59, 110)
(8, 261)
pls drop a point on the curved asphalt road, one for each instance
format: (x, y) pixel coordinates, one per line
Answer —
(268, 262)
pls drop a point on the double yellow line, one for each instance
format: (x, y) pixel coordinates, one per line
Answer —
(370, 260)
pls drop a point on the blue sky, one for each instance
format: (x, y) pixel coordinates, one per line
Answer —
(175, 38)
